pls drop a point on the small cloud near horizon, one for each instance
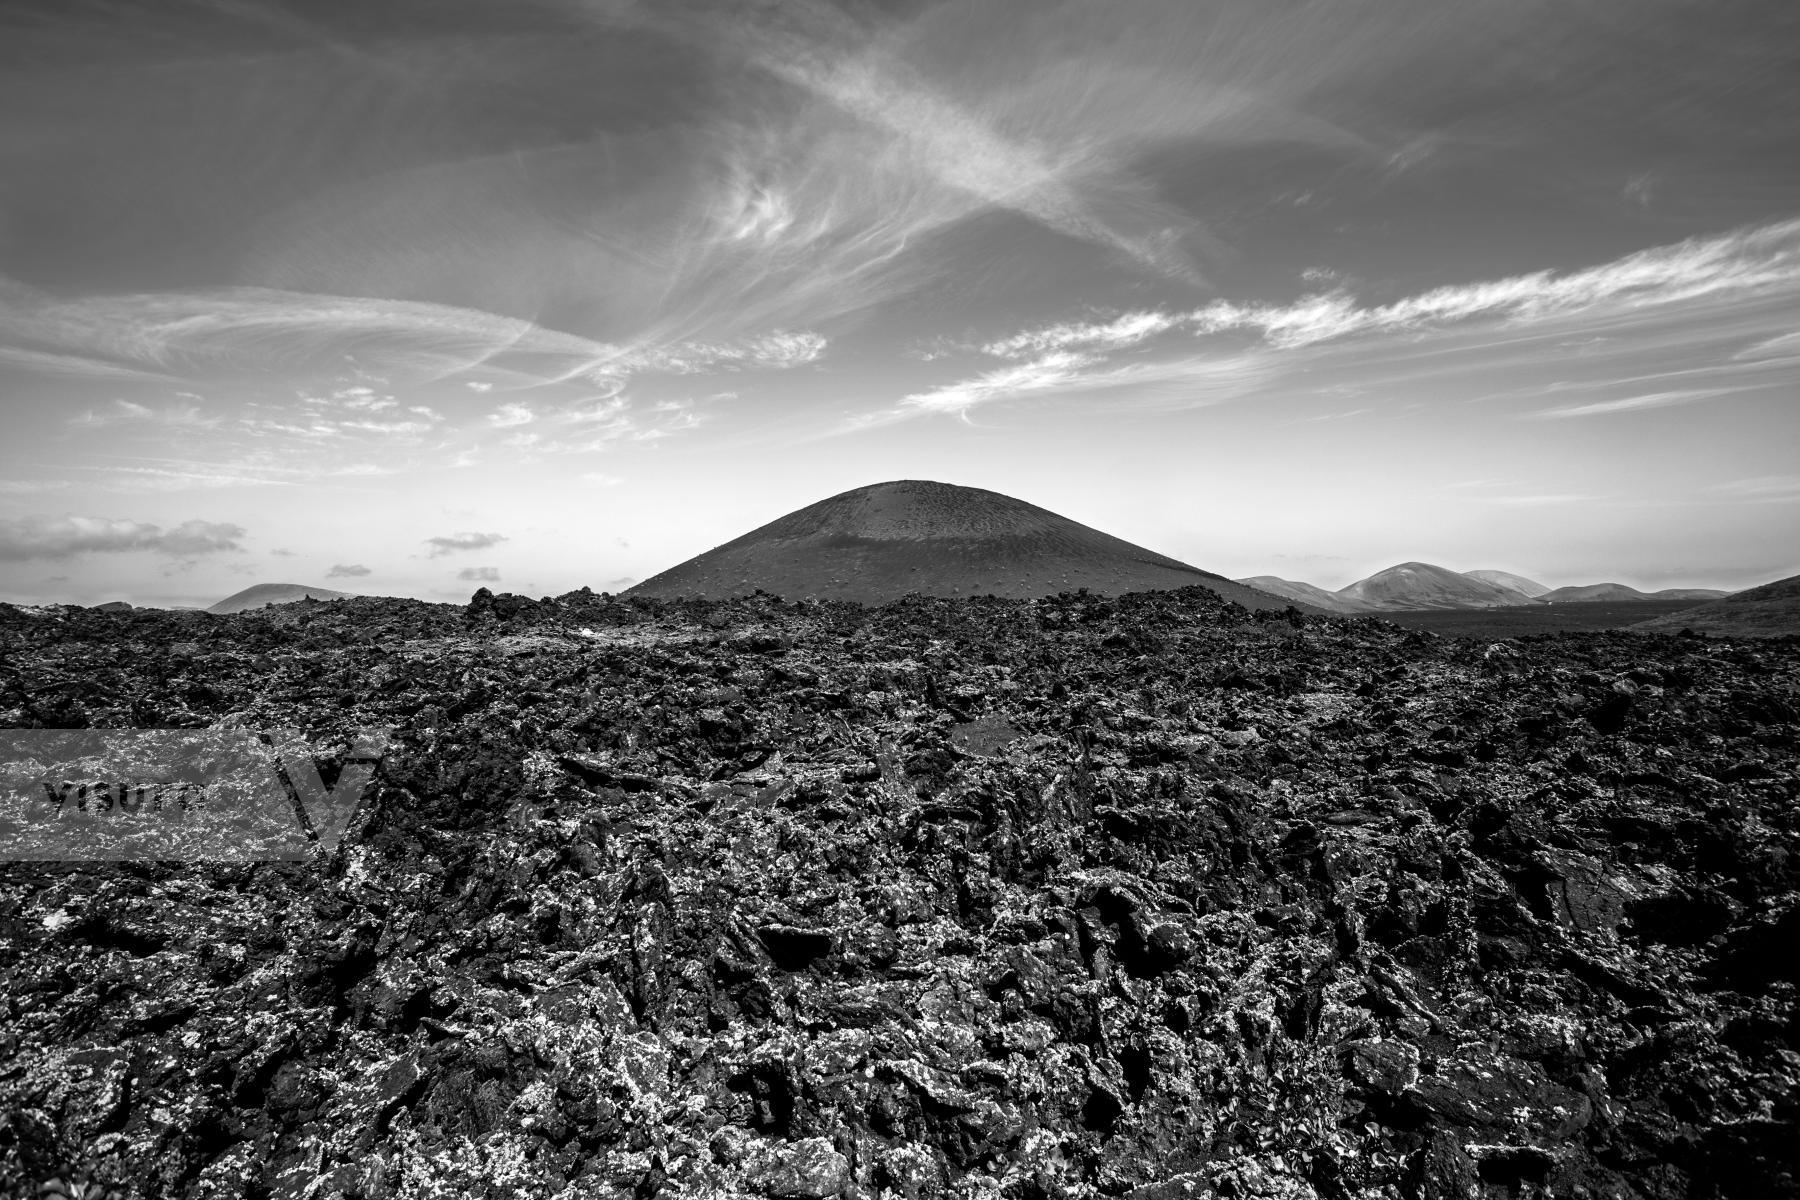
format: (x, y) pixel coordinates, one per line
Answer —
(347, 571)
(480, 574)
(451, 543)
(42, 537)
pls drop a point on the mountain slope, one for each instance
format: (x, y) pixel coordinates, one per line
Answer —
(1304, 593)
(1766, 611)
(1506, 579)
(1417, 585)
(877, 543)
(262, 595)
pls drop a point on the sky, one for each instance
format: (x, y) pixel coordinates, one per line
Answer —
(411, 297)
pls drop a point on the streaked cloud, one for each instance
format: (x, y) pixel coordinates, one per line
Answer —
(1544, 499)
(197, 334)
(45, 537)
(1639, 402)
(347, 571)
(1743, 263)
(1722, 288)
(1784, 347)
(1763, 489)
(480, 574)
(178, 415)
(1130, 329)
(1051, 372)
(771, 352)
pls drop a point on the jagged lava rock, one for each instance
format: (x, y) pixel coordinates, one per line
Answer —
(1150, 896)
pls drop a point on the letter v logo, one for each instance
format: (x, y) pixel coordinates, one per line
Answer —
(327, 813)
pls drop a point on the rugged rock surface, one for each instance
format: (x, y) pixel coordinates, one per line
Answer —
(878, 543)
(1147, 897)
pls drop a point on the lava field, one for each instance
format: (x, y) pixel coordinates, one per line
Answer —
(1150, 896)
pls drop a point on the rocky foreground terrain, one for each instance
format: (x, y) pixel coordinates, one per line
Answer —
(1152, 897)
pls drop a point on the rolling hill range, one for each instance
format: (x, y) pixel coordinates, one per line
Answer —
(1426, 587)
(878, 543)
(1417, 585)
(262, 595)
(1407, 587)
(1767, 611)
(1591, 592)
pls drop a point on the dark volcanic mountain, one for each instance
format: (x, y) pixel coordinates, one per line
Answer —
(878, 543)
(1766, 611)
(1417, 585)
(262, 595)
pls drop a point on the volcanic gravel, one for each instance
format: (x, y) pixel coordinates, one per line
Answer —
(1149, 897)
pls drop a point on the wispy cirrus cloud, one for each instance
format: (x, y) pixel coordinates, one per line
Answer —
(1543, 499)
(1722, 295)
(185, 416)
(46, 537)
(770, 352)
(196, 334)
(1759, 489)
(1638, 403)
(1745, 263)
(1189, 381)
(1131, 329)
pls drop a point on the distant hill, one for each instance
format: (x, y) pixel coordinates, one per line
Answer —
(1507, 579)
(1613, 592)
(113, 606)
(1304, 593)
(877, 543)
(1415, 585)
(262, 595)
(1689, 594)
(1766, 611)
(1588, 592)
